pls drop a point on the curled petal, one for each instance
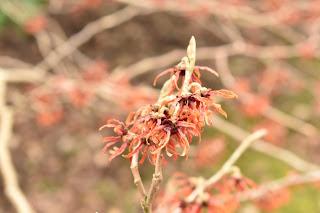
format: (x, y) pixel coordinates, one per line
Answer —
(106, 147)
(208, 69)
(168, 87)
(135, 145)
(131, 118)
(171, 149)
(191, 127)
(209, 117)
(186, 124)
(111, 139)
(218, 108)
(111, 124)
(165, 142)
(135, 150)
(105, 126)
(118, 151)
(168, 152)
(144, 155)
(184, 143)
(114, 121)
(171, 70)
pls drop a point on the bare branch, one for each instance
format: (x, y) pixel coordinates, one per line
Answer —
(283, 118)
(309, 177)
(21, 75)
(10, 178)
(155, 184)
(86, 34)
(235, 156)
(265, 147)
(136, 174)
(292, 122)
(228, 164)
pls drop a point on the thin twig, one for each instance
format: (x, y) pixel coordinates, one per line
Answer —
(22, 75)
(265, 147)
(292, 180)
(205, 53)
(155, 184)
(228, 164)
(235, 156)
(136, 174)
(271, 112)
(86, 34)
(292, 122)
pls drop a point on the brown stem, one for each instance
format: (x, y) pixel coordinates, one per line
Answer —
(155, 184)
(289, 181)
(136, 174)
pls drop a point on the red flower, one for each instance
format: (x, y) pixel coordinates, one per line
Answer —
(219, 198)
(173, 121)
(155, 132)
(178, 188)
(121, 131)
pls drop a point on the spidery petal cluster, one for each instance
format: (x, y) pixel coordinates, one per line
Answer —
(183, 109)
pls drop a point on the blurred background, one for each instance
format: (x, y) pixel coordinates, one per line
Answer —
(66, 66)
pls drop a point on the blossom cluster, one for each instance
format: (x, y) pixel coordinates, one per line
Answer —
(183, 109)
(221, 197)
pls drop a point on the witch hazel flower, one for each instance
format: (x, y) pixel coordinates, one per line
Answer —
(166, 128)
(184, 107)
(220, 197)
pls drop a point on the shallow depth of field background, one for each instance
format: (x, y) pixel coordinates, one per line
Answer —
(56, 146)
